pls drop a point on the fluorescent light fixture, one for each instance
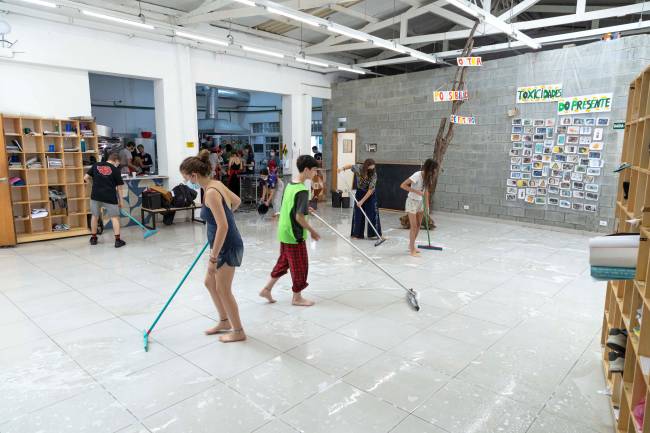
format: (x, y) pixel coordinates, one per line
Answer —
(117, 20)
(292, 16)
(246, 2)
(201, 38)
(312, 62)
(467, 7)
(356, 71)
(40, 3)
(347, 33)
(262, 51)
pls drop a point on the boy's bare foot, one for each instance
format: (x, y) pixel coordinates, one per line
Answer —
(415, 253)
(299, 301)
(235, 335)
(266, 294)
(223, 326)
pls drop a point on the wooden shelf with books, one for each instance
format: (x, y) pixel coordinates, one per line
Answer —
(627, 303)
(44, 162)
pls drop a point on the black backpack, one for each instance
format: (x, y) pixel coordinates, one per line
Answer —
(183, 196)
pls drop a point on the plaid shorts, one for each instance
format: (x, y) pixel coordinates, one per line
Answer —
(293, 257)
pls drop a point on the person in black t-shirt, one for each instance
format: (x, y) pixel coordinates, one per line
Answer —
(107, 182)
(146, 161)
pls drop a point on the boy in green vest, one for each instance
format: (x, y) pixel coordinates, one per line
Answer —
(292, 233)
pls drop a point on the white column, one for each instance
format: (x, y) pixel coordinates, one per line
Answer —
(296, 128)
(176, 124)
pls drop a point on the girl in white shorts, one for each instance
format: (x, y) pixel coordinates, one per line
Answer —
(418, 186)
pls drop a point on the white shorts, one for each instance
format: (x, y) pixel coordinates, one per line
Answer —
(413, 206)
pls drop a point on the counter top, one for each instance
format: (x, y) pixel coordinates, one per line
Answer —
(149, 176)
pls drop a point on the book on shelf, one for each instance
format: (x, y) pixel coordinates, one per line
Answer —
(39, 213)
(87, 132)
(71, 149)
(50, 133)
(54, 162)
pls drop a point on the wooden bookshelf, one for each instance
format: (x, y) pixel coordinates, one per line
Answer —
(40, 139)
(624, 298)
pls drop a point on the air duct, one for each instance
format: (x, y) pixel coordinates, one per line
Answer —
(212, 124)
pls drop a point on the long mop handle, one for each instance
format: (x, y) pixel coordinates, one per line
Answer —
(361, 209)
(153, 325)
(361, 252)
(426, 219)
(126, 214)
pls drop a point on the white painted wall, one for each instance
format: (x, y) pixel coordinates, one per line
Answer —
(66, 53)
(107, 89)
(42, 91)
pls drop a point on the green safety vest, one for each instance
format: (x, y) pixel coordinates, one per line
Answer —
(285, 228)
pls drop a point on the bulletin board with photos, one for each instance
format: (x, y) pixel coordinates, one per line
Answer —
(557, 162)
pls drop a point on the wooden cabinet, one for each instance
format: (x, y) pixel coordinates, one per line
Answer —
(45, 159)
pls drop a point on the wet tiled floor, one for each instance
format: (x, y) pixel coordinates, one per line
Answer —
(506, 340)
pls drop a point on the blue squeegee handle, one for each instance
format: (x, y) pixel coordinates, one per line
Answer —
(207, 244)
(126, 214)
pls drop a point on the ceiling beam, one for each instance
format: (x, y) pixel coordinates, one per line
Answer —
(353, 13)
(244, 12)
(547, 40)
(581, 6)
(518, 9)
(451, 16)
(207, 6)
(412, 12)
(535, 24)
(487, 6)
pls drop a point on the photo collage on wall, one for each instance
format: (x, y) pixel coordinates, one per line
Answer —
(557, 162)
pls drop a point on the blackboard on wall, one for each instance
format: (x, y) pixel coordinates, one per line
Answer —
(389, 177)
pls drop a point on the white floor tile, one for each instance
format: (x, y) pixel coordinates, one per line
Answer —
(435, 351)
(17, 333)
(335, 354)
(343, 409)
(413, 424)
(403, 383)
(469, 330)
(379, 331)
(225, 361)
(95, 411)
(276, 426)
(286, 332)
(158, 387)
(460, 407)
(215, 409)
(281, 383)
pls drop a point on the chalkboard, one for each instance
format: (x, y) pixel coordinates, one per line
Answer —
(389, 178)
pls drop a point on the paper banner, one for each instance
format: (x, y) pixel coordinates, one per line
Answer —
(449, 95)
(462, 120)
(598, 103)
(469, 61)
(543, 93)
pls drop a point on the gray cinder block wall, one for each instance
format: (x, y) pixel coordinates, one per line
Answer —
(398, 113)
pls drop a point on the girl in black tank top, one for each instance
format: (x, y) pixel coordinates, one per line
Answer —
(226, 245)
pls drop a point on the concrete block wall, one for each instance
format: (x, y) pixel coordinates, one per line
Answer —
(398, 113)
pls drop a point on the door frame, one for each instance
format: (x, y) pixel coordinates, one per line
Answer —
(335, 153)
(7, 229)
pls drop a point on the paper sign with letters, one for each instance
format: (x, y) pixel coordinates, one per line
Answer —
(462, 120)
(598, 103)
(449, 95)
(543, 93)
(469, 61)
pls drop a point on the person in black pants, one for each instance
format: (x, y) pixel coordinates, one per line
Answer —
(367, 199)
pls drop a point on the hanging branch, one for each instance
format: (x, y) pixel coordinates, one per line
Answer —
(446, 132)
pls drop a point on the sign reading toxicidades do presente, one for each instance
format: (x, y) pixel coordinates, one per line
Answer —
(542, 93)
(462, 120)
(598, 103)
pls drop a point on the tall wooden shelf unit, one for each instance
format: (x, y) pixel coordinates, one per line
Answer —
(624, 299)
(67, 140)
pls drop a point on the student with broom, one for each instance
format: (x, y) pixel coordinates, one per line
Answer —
(418, 187)
(366, 199)
(227, 248)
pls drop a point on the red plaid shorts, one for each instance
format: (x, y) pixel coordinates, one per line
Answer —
(293, 257)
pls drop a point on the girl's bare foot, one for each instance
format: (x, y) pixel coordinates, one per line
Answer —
(223, 326)
(266, 294)
(415, 253)
(235, 335)
(299, 301)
